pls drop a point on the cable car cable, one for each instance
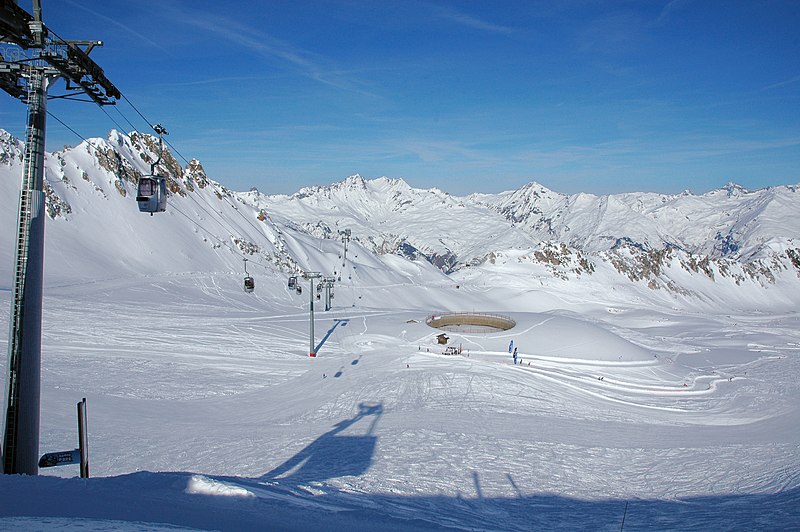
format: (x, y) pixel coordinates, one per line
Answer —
(210, 233)
(87, 141)
(248, 220)
(173, 148)
(229, 228)
(176, 151)
(137, 111)
(168, 143)
(182, 213)
(259, 231)
(222, 241)
(249, 282)
(66, 126)
(153, 126)
(120, 128)
(133, 128)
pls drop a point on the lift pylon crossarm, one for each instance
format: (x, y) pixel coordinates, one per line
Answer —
(9, 81)
(15, 24)
(66, 58)
(77, 67)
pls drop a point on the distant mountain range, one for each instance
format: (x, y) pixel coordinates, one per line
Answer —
(731, 233)
(727, 232)
(729, 223)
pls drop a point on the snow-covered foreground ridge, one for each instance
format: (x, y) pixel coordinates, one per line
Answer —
(697, 246)
(182, 501)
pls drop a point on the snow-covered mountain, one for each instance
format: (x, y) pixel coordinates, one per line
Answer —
(684, 243)
(389, 216)
(731, 233)
(730, 222)
(93, 215)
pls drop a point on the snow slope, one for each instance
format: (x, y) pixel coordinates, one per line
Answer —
(217, 418)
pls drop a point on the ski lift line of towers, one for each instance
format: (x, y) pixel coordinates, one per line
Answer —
(325, 283)
(152, 197)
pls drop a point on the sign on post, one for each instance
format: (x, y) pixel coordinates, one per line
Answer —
(60, 458)
(76, 456)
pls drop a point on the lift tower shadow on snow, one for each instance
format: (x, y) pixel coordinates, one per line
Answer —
(33, 59)
(336, 323)
(334, 454)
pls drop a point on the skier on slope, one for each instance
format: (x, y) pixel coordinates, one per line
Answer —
(515, 356)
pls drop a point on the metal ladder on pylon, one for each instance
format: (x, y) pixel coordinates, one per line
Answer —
(22, 232)
(18, 307)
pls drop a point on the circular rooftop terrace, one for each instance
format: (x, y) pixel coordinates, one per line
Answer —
(471, 322)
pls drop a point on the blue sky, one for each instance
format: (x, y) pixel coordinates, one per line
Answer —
(467, 96)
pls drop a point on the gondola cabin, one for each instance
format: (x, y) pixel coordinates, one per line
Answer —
(151, 194)
(249, 284)
(292, 282)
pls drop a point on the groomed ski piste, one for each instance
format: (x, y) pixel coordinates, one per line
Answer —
(205, 411)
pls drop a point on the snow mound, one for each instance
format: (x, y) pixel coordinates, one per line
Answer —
(553, 336)
(563, 337)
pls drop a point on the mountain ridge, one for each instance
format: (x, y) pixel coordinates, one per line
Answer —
(642, 237)
(730, 222)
